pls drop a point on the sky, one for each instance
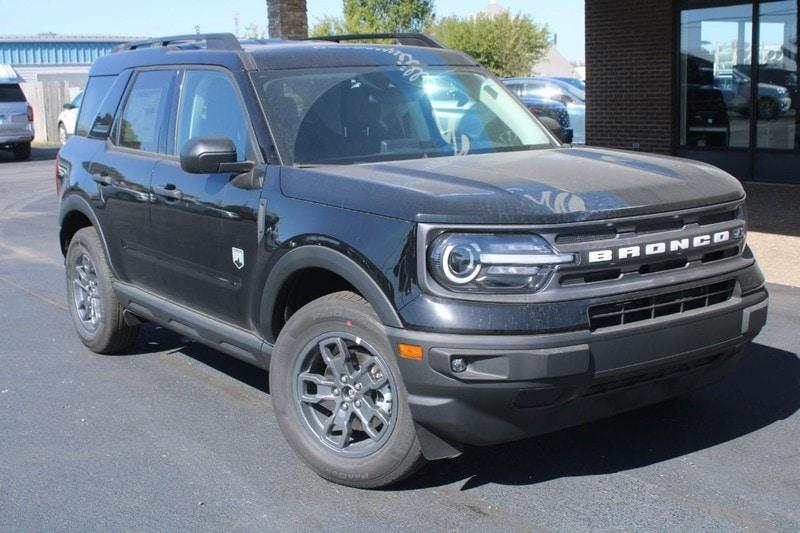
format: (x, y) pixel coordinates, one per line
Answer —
(169, 17)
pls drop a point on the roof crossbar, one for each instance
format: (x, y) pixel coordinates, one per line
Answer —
(407, 38)
(213, 41)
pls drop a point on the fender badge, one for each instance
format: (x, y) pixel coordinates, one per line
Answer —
(238, 257)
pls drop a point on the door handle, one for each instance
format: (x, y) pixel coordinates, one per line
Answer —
(102, 178)
(168, 191)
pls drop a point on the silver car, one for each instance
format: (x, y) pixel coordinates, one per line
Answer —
(16, 116)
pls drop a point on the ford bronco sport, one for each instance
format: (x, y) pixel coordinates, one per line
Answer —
(385, 228)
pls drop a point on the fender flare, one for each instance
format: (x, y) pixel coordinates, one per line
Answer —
(72, 203)
(315, 256)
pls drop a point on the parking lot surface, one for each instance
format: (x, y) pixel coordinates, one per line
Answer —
(175, 436)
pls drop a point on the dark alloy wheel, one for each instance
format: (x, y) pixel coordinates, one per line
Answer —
(339, 397)
(93, 305)
(344, 391)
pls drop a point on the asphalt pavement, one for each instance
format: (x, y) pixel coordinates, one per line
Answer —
(175, 436)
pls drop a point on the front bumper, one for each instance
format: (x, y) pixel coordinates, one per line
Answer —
(517, 386)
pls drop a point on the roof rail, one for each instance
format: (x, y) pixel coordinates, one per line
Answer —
(213, 41)
(407, 38)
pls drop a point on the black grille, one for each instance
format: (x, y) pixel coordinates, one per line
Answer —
(616, 314)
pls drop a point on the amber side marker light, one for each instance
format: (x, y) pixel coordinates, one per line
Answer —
(410, 351)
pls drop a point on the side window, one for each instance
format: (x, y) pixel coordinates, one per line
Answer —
(210, 105)
(93, 96)
(144, 116)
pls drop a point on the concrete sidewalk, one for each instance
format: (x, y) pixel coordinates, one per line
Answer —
(773, 213)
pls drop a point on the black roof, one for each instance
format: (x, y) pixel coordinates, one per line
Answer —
(271, 54)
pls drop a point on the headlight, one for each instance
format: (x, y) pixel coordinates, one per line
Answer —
(484, 262)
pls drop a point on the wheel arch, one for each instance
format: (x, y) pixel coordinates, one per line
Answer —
(75, 214)
(312, 257)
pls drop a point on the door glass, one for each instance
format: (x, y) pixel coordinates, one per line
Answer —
(778, 96)
(714, 76)
(210, 105)
(145, 110)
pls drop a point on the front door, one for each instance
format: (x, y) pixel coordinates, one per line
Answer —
(205, 225)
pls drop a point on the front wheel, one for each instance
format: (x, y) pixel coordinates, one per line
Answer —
(767, 108)
(339, 397)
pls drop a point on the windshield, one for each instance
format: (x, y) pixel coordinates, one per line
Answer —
(347, 116)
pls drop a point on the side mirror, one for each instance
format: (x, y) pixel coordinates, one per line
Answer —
(554, 127)
(212, 155)
(68, 106)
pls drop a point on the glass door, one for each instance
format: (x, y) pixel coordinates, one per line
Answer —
(777, 96)
(739, 102)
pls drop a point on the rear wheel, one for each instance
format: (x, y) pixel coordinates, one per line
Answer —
(22, 151)
(93, 305)
(338, 395)
(62, 134)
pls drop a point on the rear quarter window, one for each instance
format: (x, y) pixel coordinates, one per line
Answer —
(96, 91)
(11, 92)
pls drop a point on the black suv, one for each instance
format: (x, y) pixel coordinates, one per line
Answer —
(417, 262)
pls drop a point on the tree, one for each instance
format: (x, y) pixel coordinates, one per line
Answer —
(378, 16)
(508, 45)
(252, 31)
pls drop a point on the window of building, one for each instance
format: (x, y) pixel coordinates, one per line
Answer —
(714, 76)
(721, 104)
(778, 96)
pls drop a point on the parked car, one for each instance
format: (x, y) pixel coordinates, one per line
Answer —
(557, 112)
(575, 82)
(16, 115)
(551, 89)
(68, 118)
(783, 78)
(773, 100)
(417, 264)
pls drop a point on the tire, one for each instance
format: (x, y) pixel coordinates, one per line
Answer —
(767, 108)
(95, 310)
(62, 134)
(385, 453)
(22, 151)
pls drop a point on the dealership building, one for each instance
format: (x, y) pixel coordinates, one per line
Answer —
(706, 79)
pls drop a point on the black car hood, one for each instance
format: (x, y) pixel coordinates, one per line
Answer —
(531, 187)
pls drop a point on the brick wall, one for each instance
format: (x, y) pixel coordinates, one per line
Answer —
(287, 18)
(630, 74)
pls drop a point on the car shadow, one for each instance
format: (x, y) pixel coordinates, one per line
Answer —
(37, 154)
(761, 390)
(154, 338)
(764, 388)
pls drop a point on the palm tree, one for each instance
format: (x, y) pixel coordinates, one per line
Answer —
(288, 19)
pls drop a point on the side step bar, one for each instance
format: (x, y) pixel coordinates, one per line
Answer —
(219, 335)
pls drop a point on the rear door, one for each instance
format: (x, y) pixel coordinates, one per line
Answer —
(205, 225)
(123, 168)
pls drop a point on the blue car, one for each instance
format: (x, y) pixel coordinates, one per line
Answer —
(543, 108)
